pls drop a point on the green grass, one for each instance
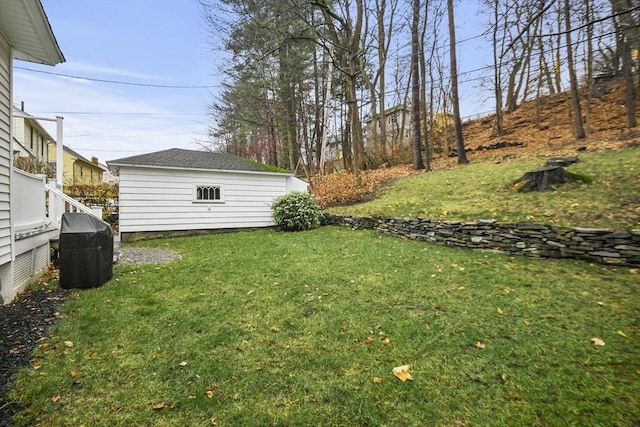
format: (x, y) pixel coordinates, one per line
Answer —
(482, 191)
(287, 329)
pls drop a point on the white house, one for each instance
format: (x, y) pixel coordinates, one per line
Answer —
(32, 140)
(180, 190)
(398, 127)
(107, 177)
(25, 34)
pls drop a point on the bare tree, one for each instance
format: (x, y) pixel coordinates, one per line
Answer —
(432, 17)
(455, 99)
(344, 33)
(384, 14)
(415, 87)
(626, 28)
(573, 80)
(498, 45)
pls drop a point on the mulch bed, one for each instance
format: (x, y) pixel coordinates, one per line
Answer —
(22, 324)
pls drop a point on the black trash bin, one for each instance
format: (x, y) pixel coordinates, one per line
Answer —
(85, 251)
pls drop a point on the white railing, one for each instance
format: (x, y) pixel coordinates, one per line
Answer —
(38, 205)
(60, 203)
(28, 201)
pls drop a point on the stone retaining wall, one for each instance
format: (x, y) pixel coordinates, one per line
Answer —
(523, 238)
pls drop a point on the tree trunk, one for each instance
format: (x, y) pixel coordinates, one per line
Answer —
(498, 128)
(287, 96)
(540, 179)
(423, 98)
(624, 26)
(415, 88)
(462, 154)
(573, 80)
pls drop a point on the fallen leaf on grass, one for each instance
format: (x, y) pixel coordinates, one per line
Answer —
(504, 377)
(622, 334)
(479, 345)
(275, 329)
(68, 344)
(73, 374)
(377, 380)
(402, 373)
(500, 312)
(183, 363)
(597, 341)
(158, 406)
(384, 341)
(369, 340)
(55, 398)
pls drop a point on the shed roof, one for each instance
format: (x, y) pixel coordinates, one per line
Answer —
(25, 25)
(177, 158)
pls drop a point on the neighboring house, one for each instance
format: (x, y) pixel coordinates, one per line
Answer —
(108, 177)
(25, 34)
(30, 136)
(77, 169)
(398, 128)
(179, 190)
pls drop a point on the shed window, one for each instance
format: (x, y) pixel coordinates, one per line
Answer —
(208, 193)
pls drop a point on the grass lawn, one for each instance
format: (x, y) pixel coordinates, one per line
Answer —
(293, 329)
(482, 191)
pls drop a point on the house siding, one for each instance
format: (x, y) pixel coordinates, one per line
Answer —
(71, 171)
(18, 129)
(156, 199)
(5, 150)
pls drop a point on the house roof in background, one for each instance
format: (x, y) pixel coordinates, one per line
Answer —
(26, 27)
(22, 114)
(78, 156)
(177, 158)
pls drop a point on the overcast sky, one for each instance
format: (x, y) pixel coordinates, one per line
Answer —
(148, 42)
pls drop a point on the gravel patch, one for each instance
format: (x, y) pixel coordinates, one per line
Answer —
(145, 256)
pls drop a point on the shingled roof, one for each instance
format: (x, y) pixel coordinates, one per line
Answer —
(192, 159)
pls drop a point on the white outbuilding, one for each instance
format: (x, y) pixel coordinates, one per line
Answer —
(180, 191)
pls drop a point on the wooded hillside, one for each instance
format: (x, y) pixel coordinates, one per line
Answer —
(525, 137)
(317, 86)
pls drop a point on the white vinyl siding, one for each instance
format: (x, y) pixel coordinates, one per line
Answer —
(5, 151)
(155, 199)
(18, 129)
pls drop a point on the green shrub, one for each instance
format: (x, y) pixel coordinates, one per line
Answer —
(297, 211)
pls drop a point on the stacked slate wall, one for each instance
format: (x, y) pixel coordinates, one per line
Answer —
(600, 245)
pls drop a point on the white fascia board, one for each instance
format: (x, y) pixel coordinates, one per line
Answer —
(117, 166)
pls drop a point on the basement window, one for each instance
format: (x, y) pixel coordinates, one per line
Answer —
(208, 193)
